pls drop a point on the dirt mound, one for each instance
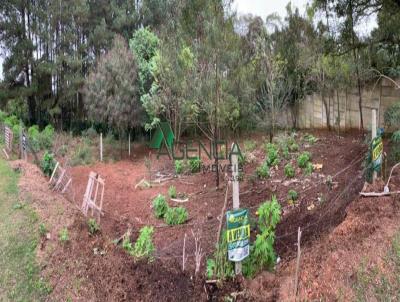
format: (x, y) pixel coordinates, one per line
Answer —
(329, 267)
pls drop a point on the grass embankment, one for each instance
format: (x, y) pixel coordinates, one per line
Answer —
(19, 272)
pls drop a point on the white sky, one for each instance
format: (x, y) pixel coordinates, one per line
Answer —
(264, 8)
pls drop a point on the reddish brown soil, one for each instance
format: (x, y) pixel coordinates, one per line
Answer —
(115, 277)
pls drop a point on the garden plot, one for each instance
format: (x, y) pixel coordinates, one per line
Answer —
(317, 182)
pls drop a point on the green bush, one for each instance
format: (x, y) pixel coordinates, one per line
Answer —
(303, 159)
(175, 216)
(63, 235)
(172, 192)
(249, 145)
(93, 226)
(292, 195)
(309, 169)
(289, 171)
(90, 133)
(33, 136)
(294, 147)
(42, 230)
(262, 254)
(160, 206)
(263, 171)
(11, 121)
(309, 138)
(272, 154)
(3, 116)
(46, 137)
(194, 165)
(179, 166)
(144, 247)
(285, 152)
(48, 163)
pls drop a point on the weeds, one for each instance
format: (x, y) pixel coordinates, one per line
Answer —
(82, 156)
(263, 171)
(93, 226)
(172, 192)
(48, 163)
(175, 216)
(194, 165)
(144, 247)
(289, 171)
(303, 159)
(160, 206)
(179, 166)
(249, 145)
(292, 195)
(63, 236)
(42, 230)
(272, 154)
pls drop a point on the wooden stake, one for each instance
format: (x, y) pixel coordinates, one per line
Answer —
(235, 198)
(373, 132)
(129, 144)
(296, 278)
(101, 146)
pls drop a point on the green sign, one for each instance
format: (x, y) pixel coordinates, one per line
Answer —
(377, 150)
(238, 234)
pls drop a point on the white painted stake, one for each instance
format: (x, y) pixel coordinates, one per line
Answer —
(373, 131)
(296, 278)
(101, 146)
(235, 197)
(129, 144)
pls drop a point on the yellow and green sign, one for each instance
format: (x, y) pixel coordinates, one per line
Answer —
(238, 234)
(377, 151)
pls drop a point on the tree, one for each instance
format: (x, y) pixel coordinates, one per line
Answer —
(111, 90)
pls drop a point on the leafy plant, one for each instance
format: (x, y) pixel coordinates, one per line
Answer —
(292, 195)
(93, 226)
(63, 235)
(262, 254)
(249, 145)
(194, 165)
(219, 266)
(309, 138)
(289, 170)
(46, 138)
(294, 147)
(179, 166)
(177, 215)
(303, 159)
(272, 154)
(42, 230)
(309, 169)
(285, 152)
(172, 192)
(263, 171)
(82, 156)
(160, 206)
(48, 163)
(144, 247)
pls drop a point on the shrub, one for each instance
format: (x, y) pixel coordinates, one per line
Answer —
(285, 152)
(160, 206)
(194, 165)
(289, 171)
(144, 247)
(262, 254)
(33, 135)
(11, 121)
(272, 154)
(63, 235)
(90, 133)
(263, 171)
(179, 166)
(303, 159)
(48, 163)
(309, 169)
(309, 138)
(292, 195)
(242, 159)
(93, 226)
(220, 267)
(172, 192)
(294, 147)
(175, 216)
(3, 116)
(249, 145)
(46, 137)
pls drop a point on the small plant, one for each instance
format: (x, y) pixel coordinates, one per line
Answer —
(194, 165)
(289, 170)
(309, 138)
(272, 154)
(294, 147)
(179, 166)
(160, 206)
(63, 235)
(93, 226)
(292, 195)
(249, 145)
(242, 159)
(263, 171)
(42, 230)
(285, 152)
(90, 134)
(175, 216)
(220, 267)
(172, 192)
(48, 163)
(144, 247)
(309, 169)
(329, 182)
(46, 137)
(83, 156)
(303, 159)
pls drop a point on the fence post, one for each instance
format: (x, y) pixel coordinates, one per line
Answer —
(101, 146)
(129, 144)
(235, 197)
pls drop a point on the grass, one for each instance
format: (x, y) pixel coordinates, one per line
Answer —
(372, 284)
(19, 272)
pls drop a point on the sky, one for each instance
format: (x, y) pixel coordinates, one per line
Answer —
(264, 8)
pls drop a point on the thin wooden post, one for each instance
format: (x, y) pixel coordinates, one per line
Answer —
(101, 146)
(373, 132)
(296, 278)
(129, 144)
(235, 198)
